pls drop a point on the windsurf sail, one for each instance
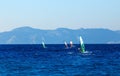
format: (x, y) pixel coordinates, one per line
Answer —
(66, 44)
(43, 44)
(82, 45)
(71, 44)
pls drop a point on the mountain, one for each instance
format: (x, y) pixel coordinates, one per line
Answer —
(28, 35)
(118, 31)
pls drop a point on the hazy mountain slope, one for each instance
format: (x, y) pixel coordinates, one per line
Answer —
(28, 35)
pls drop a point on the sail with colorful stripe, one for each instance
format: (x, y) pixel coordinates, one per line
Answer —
(82, 45)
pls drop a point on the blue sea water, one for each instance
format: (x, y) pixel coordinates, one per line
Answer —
(56, 60)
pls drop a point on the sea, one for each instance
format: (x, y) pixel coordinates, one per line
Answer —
(56, 60)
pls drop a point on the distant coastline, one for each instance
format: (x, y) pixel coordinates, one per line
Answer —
(29, 35)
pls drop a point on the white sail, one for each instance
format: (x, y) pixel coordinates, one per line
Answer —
(81, 41)
(71, 44)
(43, 44)
(66, 44)
(82, 45)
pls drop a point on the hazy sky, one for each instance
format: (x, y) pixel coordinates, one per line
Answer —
(51, 14)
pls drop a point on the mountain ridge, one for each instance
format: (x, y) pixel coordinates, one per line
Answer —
(29, 35)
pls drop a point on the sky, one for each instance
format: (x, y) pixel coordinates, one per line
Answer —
(52, 14)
